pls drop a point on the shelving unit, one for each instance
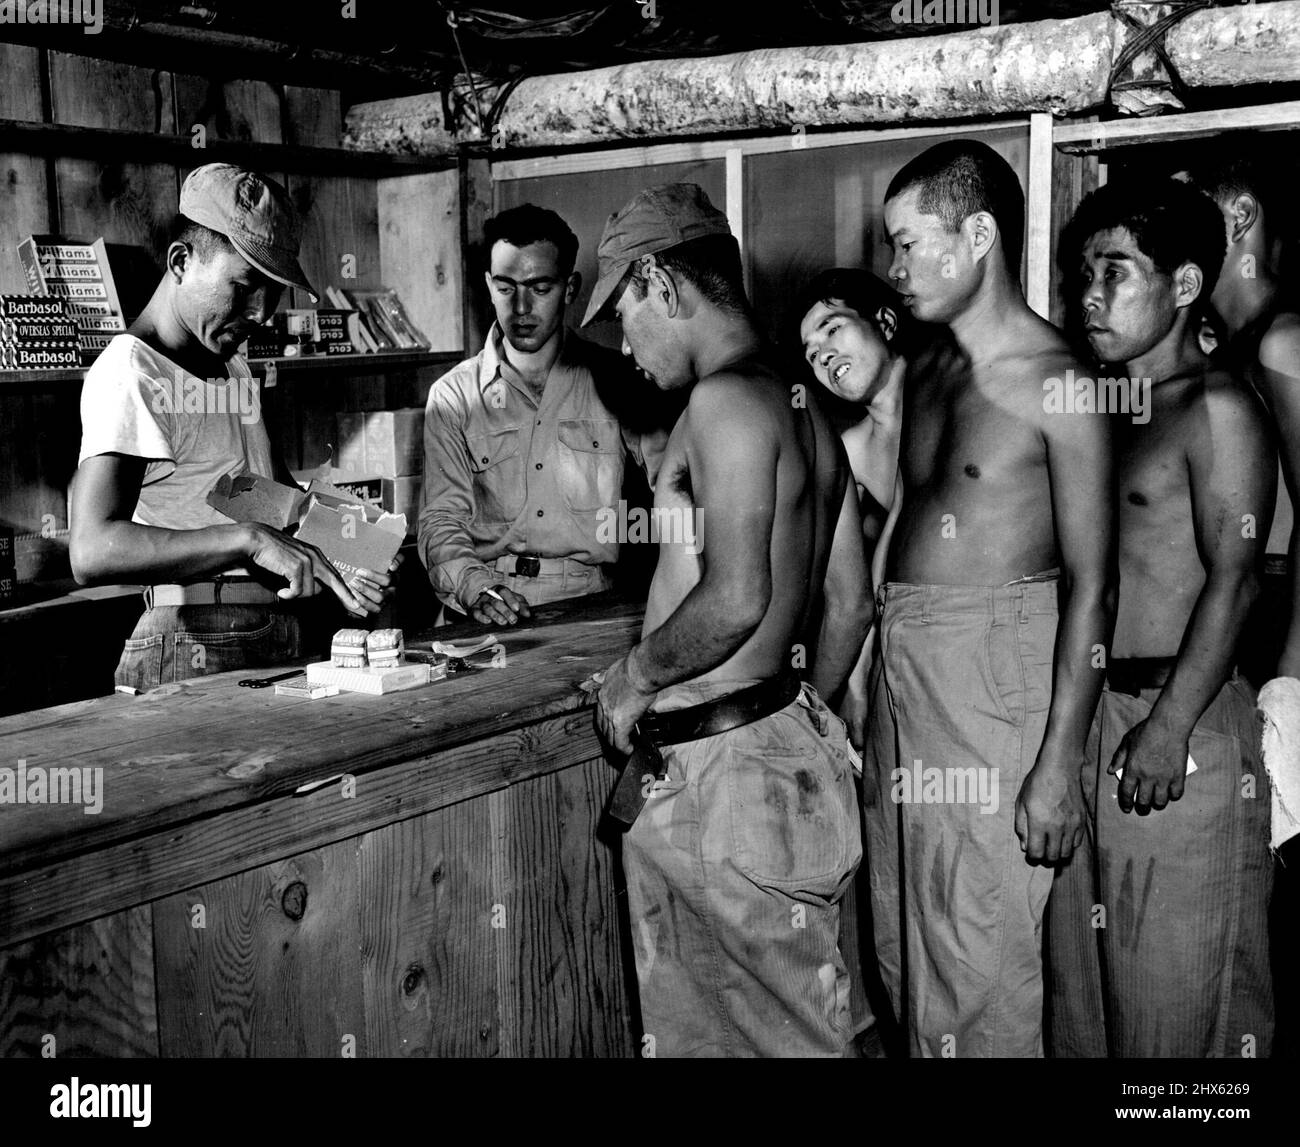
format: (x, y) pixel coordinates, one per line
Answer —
(356, 363)
(111, 145)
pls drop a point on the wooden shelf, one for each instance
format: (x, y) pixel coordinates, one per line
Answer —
(353, 363)
(113, 146)
(386, 360)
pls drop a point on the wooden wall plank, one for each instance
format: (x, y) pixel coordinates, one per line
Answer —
(419, 250)
(342, 214)
(91, 987)
(246, 110)
(427, 937)
(341, 222)
(33, 467)
(276, 971)
(24, 208)
(128, 203)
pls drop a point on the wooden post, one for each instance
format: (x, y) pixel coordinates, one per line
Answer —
(1072, 179)
(736, 204)
(476, 206)
(1038, 203)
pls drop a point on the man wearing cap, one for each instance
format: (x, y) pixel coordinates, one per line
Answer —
(523, 458)
(167, 409)
(749, 834)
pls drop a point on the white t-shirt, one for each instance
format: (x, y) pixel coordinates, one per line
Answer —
(136, 401)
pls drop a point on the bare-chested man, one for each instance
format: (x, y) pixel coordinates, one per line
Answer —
(852, 339)
(1000, 579)
(737, 863)
(1259, 320)
(1179, 965)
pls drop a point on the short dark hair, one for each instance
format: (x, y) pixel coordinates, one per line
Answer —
(203, 241)
(1244, 166)
(960, 177)
(860, 291)
(529, 223)
(711, 264)
(1172, 223)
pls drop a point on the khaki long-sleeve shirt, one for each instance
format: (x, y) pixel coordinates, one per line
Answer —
(504, 473)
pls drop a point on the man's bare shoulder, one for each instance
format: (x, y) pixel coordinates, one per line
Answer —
(1227, 395)
(737, 396)
(1214, 407)
(1279, 349)
(1039, 351)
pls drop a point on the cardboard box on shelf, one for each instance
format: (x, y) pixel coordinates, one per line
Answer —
(402, 496)
(366, 487)
(389, 443)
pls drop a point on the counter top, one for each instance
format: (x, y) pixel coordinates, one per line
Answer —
(204, 770)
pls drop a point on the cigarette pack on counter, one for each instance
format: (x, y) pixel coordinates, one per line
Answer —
(370, 679)
(306, 690)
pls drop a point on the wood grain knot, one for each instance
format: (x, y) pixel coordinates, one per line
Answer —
(294, 900)
(438, 874)
(485, 1032)
(413, 981)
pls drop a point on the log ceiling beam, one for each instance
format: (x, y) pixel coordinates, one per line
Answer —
(1058, 66)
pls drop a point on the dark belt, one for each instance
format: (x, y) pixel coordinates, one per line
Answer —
(1133, 674)
(646, 764)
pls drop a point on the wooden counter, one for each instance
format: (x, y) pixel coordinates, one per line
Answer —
(453, 898)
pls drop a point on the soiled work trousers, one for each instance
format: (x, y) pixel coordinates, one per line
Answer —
(1158, 926)
(735, 871)
(960, 695)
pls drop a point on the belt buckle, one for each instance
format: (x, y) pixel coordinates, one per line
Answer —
(527, 567)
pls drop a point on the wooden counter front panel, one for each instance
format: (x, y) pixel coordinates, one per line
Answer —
(90, 987)
(485, 928)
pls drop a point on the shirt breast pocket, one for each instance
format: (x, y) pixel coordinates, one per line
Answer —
(590, 463)
(499, 491)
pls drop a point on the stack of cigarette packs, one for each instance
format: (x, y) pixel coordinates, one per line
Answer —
(77, 273)
(37, 333)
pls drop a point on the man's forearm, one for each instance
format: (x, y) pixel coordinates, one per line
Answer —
(1289, 663)
(841, 646)
(121, 551)
(1087, 616)
(700, 635)
(455, 570)
(1206, 656)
